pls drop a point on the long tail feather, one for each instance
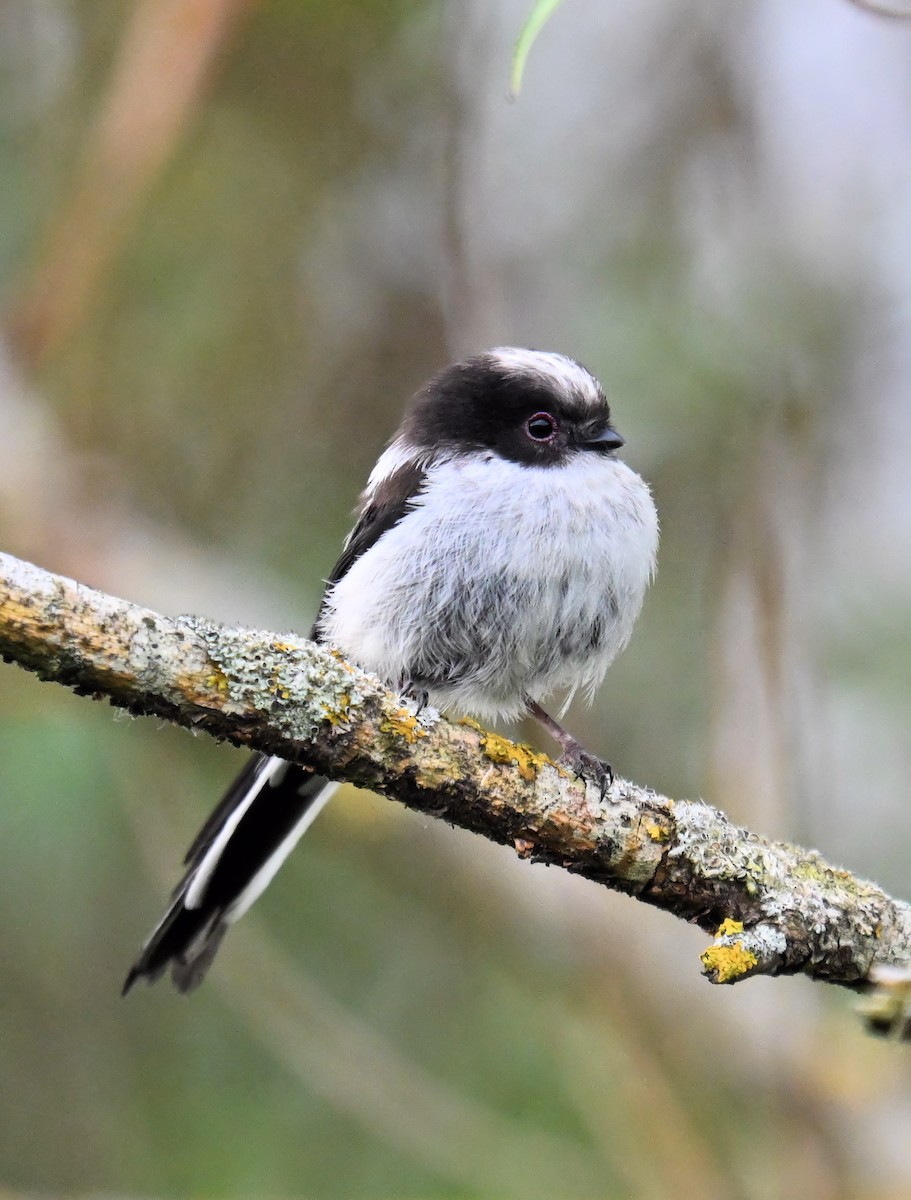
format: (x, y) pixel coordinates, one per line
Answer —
(235, 856)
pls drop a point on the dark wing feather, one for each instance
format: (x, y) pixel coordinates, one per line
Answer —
(392, 500)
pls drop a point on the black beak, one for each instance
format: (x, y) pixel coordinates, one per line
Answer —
(606, 439)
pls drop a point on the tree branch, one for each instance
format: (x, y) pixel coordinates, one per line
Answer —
(772, 908)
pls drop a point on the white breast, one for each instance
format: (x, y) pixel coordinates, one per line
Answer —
(504, 581)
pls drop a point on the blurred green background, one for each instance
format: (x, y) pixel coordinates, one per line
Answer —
(234, 236)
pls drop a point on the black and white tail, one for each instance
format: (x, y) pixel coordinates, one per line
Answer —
(234, 858)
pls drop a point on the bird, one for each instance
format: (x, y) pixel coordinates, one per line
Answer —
(501, 552)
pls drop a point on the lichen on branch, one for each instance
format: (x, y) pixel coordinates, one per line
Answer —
(771, 908)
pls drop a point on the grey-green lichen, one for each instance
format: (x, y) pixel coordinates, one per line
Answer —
(299, 684)
(800, 912)
(302, 688)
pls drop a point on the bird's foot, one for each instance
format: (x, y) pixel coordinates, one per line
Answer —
(588, 766)
(574, 757)
(419, 696)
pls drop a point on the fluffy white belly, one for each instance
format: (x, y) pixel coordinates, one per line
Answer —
(504, 581)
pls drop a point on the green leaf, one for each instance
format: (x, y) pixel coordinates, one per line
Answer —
(535, 22)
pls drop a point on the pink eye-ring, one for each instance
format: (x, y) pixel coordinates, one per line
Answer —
(541, 427)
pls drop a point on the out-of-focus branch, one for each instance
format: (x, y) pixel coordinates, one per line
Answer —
(165, 61)
(773, 908)
(899, 10)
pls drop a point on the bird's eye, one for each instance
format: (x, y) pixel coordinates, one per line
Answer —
(541, 427)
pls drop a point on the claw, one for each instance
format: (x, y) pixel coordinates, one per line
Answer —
(588, 767)
(420, 696)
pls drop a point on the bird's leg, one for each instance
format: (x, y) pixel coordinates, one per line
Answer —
(574, 756)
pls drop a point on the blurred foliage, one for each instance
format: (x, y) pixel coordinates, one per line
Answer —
(234, 236)
(542, 11)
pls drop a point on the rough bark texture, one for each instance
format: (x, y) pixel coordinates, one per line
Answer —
(772, 908)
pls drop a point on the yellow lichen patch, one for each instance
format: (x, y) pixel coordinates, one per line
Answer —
(656, 832)
(283, 647)
(727, 963)
(728, 927)
(404, 725)
(339, 715)
(341, 660)
(472, 725)
(217, 680)
(19, 612)
(500, 750)
(281, 692)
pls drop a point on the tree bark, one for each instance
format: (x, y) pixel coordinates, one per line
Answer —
(772, 908)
